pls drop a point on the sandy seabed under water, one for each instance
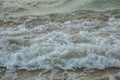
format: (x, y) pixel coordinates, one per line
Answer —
(79, 74)
(82, 31)
(59, 74)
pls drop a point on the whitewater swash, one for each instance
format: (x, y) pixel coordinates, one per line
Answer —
(68, 45)
(64, 42)
(90, 42)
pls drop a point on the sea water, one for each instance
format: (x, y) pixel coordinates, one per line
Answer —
(77, 43)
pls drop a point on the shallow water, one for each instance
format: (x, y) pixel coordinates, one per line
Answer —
(59, 45)
(92, 44)
(15, 8)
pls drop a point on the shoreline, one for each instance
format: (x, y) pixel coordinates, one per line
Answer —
(79, 74)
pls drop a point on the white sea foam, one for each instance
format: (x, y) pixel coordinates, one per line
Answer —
(68, 45)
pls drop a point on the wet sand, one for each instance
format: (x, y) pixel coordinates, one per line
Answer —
(79, 74)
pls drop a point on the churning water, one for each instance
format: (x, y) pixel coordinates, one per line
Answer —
(58, 37)
(69, 45)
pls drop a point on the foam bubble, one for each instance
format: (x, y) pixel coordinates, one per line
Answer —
(68, 45)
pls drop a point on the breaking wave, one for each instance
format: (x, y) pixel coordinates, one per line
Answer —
(78, 43)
